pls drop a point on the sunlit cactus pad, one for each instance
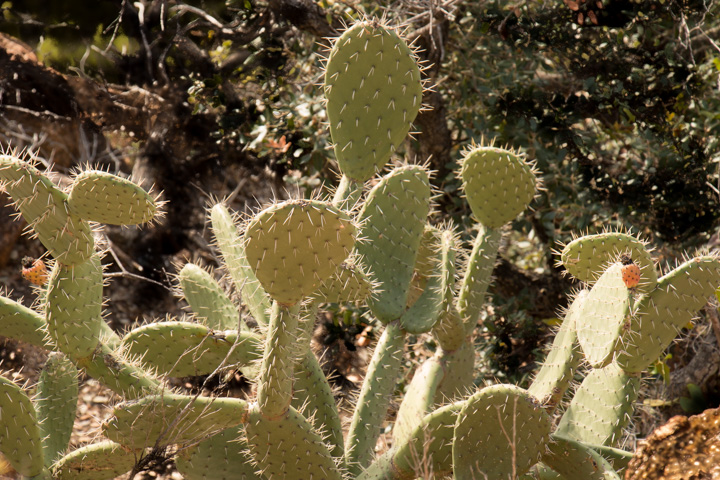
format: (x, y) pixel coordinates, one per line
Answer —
(587, 256)
(295, 245)
(498, 184)
(374, 92)
(190, 348)
(603, 314)
(106, 198)
(67, 237)
(502, 430)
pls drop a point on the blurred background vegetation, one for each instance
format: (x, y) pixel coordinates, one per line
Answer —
(618, 102)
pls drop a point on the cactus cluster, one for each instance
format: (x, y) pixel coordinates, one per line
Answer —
(371, 245)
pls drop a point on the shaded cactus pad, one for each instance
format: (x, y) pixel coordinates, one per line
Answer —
(295, 245)
(374, 92)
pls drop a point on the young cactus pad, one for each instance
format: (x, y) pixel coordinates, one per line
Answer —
(106, 198)
(374, 92)
(19, 431)
(585, 257)
(498, 184)
(293, 246)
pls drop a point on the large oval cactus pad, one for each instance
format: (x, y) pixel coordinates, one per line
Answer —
(295, 245)
(374, 92)
(501, 430)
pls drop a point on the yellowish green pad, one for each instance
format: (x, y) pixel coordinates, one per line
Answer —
(374, 92)
(22, 323)
(498, 184)
(67, 237)
(295, 245)
(99, 461)
(500, 433)
(604, 312)
(221, 457)
(19, 431)
(106, 198)
(165, 419)
(207, 299)
(190, 348)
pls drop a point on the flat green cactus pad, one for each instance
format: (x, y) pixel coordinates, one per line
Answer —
(374, 92)
(294, 245)
(562, 360)
(19, 431)
(498, 184)
(392, 224)
(22, 323)
(99, 461)
(502, 430)
(601, 407)
(661, 313)
(74, 307)
(604, 312)
(168, 418)
(102, 197)
(288, 448)
(574, 460)
(190, 348)
(67, 237)
(207, 299)
(585, 257)
(233, 252)
(56, 402)
(221, 457)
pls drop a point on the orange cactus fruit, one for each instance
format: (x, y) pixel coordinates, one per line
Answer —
(630, 272)
(34, 271)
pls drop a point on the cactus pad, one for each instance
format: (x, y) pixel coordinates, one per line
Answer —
(99, 461)
(67, 237)
(498, 184)
(574, 460)
(604, 312)
(293, 246)
(19, 432)
(221, 457)
(74, 307)
(102, 197)
(191, 349)
(288, 448)
(207, 299)
(563, 359)
(500, 432)
(585, 257)
(165, 419)
(601, 407)
(392, 224)
(22, 323)
(374, 92)
(669, 307)
(56, 401)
